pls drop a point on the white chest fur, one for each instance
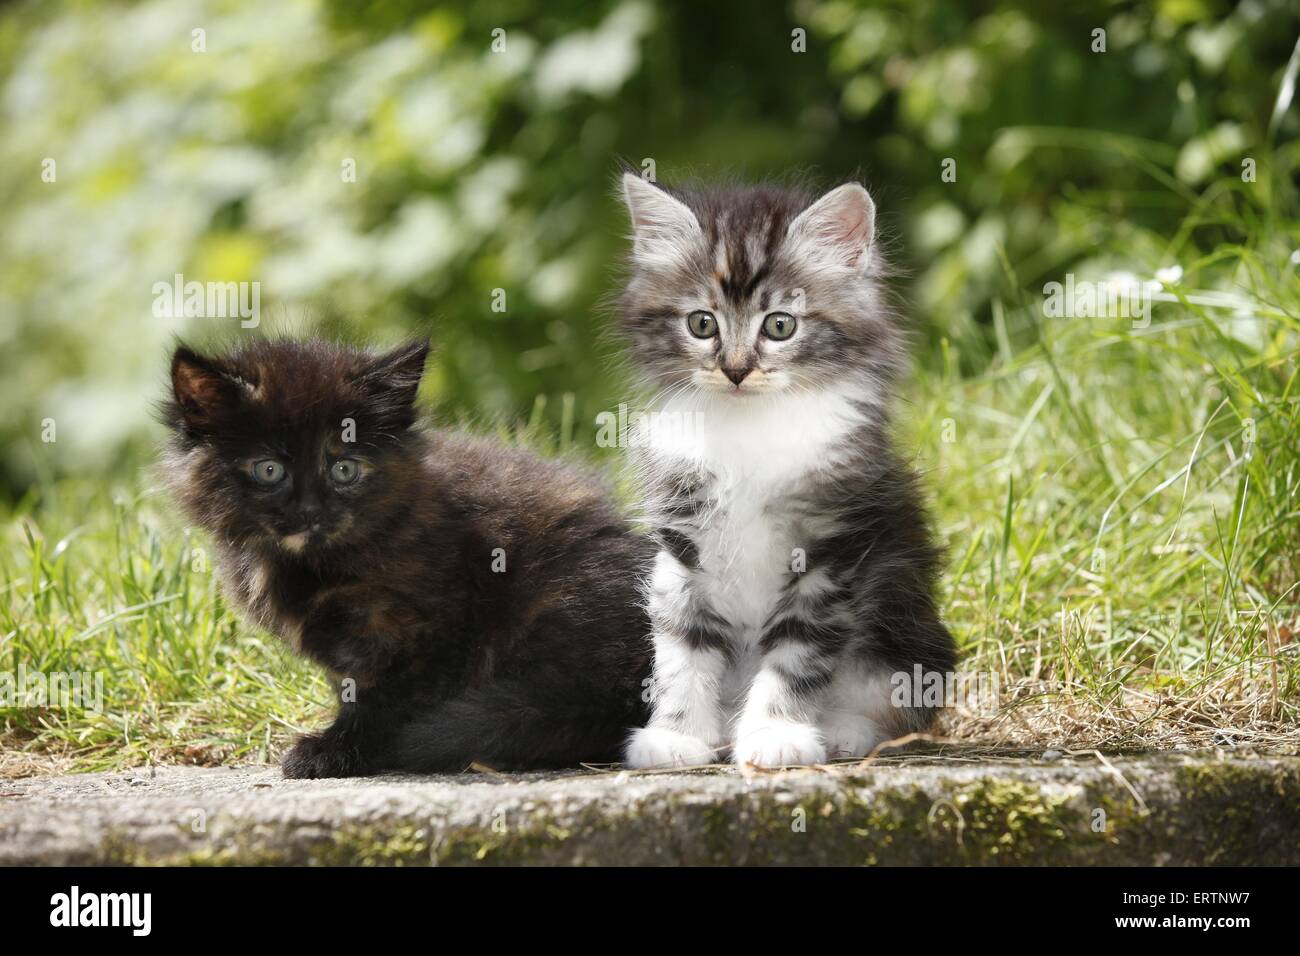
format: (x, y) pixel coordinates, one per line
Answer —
(759, 454)
(248, 581)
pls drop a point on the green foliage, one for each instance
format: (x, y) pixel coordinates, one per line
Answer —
(479, 170)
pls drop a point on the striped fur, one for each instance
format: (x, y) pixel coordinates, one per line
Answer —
(796, 572)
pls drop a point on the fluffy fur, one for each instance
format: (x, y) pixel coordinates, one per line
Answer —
(794, 581)
(472, 603)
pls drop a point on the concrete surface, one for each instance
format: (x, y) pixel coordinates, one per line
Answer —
(916, 809)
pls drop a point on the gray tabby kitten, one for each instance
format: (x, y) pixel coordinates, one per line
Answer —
(792, 596)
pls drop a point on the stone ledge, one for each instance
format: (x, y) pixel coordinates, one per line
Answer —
(1168, 809)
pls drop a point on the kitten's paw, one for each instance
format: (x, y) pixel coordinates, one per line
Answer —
(849, 735)
(778, 743)
(314, 756)
(659, 747)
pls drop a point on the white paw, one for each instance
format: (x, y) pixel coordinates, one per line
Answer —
(659, 747)
(778, 743)
(849, 735)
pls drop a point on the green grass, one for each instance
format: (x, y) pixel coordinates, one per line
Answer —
(1122, 504)
(109, 583)
(1119, 505)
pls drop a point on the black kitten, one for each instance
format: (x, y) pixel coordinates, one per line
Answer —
(472, 603)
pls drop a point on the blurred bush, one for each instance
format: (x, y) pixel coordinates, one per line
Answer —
(217, 140)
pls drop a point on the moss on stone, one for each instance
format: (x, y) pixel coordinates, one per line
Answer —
(1244, 811)
(1239, 811)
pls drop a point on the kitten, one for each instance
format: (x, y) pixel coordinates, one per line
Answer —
(471, 602)
(795, 574)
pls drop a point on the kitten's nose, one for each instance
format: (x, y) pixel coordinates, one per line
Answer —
(309, 511)
(737, 375)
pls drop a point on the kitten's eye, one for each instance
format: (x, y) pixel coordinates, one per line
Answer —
(344, 471)
(778, 326)
(702, 325)
(268, 471)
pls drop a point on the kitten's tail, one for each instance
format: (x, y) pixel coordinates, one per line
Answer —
(507, 727)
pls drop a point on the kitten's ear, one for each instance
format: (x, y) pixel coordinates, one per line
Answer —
(204, 390)
(393, 378)
(662, 224)
(838, 228)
